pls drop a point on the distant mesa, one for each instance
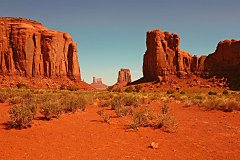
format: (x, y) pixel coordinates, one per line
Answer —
(164, 58)
(124, 78)
(98, 84)
(30, 50)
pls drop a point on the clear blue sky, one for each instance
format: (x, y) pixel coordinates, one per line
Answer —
(111, 34)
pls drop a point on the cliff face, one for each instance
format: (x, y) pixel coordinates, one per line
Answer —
(163, 57)
(124, 76)
(29, 49)
(225, 62)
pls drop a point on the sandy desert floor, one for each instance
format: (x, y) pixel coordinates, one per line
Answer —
(83, 135)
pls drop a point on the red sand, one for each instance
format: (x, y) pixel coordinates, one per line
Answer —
(200, 135)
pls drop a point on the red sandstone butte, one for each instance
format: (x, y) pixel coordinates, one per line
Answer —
(98, 85)
(164, 57)
(124, 75)
(225, 62)
(29, 49)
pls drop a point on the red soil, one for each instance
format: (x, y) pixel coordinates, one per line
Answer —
(200, 135)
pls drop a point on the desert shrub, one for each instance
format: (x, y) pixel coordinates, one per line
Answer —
(170, 91)
(72, 88)
(130, 111)
(228, 105)
(142, 118)
(129, 89)
(155, 96)
(63, 86)
(182, 92)
(22, 85)
(117, 102)
(167, 121)
(106, 104)
(51, 110)
(21, 116)
(225, 92)
(121, 111)
(72, 102)
(138, 88)
(105, 116)
(201, 97)
(110, 88)
(132, 100)
(116, 90)
(3, 97)
(211, 104)
(212, 93)
(15, 100)
(165, 109)
(188, 103)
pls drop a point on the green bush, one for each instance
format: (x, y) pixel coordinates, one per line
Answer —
(225, 92)
(138, 88)
(51, 110)
(71, 103)
(170, 91)
(110, 88)
(3, 97)
(22, 85)
(21, 116)
(142, 118)
(212, 93)
(182, 92)
(105, 116)
(63, 86)
(15, 100)
(129, 89)
(121, 111)
(72, 88)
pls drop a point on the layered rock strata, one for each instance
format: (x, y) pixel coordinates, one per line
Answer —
(29, 49)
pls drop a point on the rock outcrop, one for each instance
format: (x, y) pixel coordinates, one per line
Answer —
(124, 76)
(164, 57)
(225, 62)
(98, 85)
(29, 49)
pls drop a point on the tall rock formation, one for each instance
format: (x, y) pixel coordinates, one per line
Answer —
(225, 62)
(164, 57)
(124, 76)
(29, 49)
(98, 85)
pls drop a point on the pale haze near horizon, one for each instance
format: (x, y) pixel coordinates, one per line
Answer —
(112, 34)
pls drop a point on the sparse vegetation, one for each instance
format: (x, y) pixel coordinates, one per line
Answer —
(182, 92)
(72, 88)
(170, 91)
(51, 110)
(225, 92)
(105, 116)
(22, 85)
(129, 89)
(138, 88)
(21, 116)
(212, 93)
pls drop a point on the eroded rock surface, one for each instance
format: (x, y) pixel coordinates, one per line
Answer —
(29, 49)
(225, 62)
(164, 57)
(98, 84)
